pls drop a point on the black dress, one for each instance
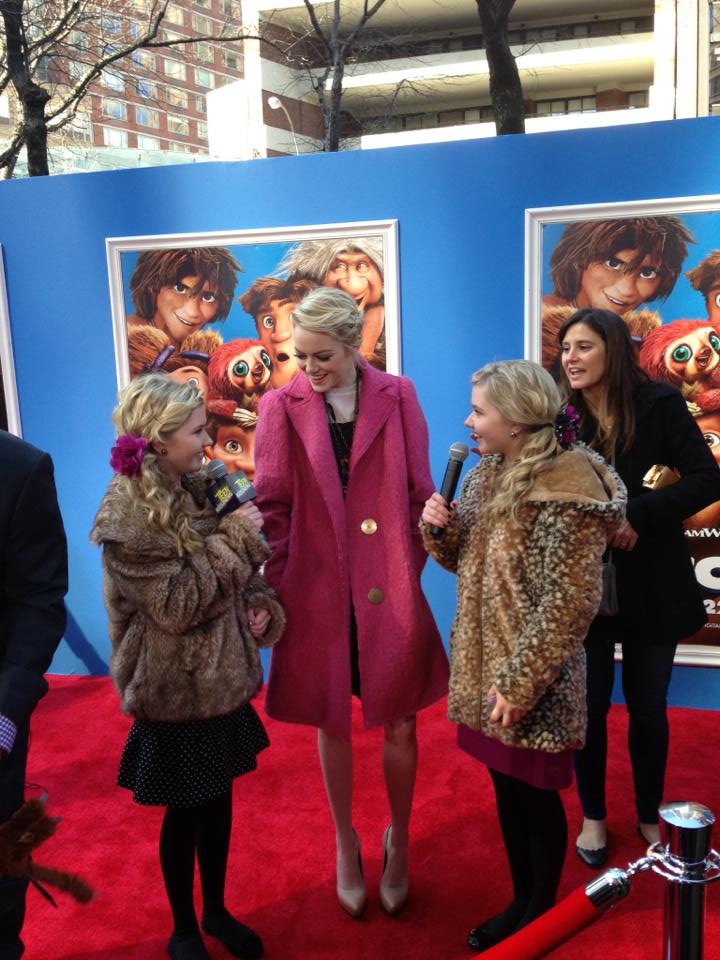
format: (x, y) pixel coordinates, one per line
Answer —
(188, 763)
(342, 435)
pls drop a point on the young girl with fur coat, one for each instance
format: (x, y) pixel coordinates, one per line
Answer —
(526, 541)
(187, 610)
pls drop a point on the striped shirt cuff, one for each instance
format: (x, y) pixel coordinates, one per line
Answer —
(8, 731)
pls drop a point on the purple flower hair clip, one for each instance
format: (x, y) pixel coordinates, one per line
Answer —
(127, 455)
(566, 426)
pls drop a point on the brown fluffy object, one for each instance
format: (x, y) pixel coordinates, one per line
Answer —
(24, 832)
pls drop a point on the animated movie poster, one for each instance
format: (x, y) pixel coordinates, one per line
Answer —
(656, 264)
(215, 309)
(9, 407)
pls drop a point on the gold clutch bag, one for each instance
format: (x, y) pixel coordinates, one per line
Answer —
(659, 476)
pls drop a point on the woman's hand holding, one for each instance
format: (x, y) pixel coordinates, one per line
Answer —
(436, 512)
(624, 537)
(503, 711)
(258, 620)
(251, 514)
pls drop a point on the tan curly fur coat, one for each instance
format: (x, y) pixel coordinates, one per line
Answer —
(526, 595)
(181, 647)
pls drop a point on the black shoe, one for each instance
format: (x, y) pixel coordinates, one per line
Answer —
(238, 939)
(479, 940)
(593, 858)
(189, 947)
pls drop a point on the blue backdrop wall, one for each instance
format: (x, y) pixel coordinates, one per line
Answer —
(460, 209)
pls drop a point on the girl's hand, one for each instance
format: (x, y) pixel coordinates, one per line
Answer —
(252, 514)
(436, 512)
(624, 537)
(503, 711)
(258, 620)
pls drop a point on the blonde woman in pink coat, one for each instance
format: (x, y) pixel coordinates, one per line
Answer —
(342, 474)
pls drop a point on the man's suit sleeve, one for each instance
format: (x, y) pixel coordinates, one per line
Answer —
(35, 583)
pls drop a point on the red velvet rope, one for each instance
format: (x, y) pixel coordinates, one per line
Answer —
(547, 932)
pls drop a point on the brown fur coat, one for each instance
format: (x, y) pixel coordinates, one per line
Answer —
(526, 595)
(181, 647)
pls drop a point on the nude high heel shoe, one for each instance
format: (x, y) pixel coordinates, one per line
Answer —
(353, 899)
(392, 896)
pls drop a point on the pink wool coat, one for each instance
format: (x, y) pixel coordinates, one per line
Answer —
(325, 549)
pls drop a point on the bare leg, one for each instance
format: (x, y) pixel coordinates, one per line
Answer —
(399, 766)
(336, 762)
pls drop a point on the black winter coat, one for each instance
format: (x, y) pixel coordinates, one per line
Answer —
(33, 575)
(660, 600)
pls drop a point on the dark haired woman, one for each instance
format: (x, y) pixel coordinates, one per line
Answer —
(637, 424)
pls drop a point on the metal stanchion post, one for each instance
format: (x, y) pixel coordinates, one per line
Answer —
(686, 834)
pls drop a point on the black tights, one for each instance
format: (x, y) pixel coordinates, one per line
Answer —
(185, 830)
(534, 831)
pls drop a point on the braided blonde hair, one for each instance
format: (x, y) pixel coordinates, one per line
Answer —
(154, 406)
(523, 393)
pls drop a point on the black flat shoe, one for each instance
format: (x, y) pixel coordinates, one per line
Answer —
(592, 858)
(479, 940)
(187, 948)
(237, 939)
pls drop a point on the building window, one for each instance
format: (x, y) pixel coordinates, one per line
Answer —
(147, 143)
(203, 3)
(202, 129)
(114, 138)
(178, 125)
(170, 35)
(146, 89)
(143, 59)
(200, 105)
(111, 24)
(114, 108)
(201, 24)
(177, 147)
(113, 82)
(203, 78)
(230, 59)
(175, 69)
(80, 42)
(145, 117)
(175, 15)
(204, 52)
(230, 8)
(178, 98)
(638, 99)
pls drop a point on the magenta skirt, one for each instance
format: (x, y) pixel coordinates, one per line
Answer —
(548, 771)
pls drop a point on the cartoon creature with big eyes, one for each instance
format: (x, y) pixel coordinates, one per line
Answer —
(686, 354)
(237, 370)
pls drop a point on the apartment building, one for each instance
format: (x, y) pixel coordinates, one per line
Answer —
(149, 104)
(419, 72)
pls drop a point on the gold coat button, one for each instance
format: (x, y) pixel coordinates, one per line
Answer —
(376, 595)
(369, 526)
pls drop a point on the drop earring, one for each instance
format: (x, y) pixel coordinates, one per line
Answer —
(163, 452)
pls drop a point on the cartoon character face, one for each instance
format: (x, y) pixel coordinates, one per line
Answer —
(178, 314)
(249, 372)
(712, 302)
(191, 374)
(612, 285)
(185, 446)
(235, 446)
(694, 356)
(356, 275)
(275, 332)
(709, 424)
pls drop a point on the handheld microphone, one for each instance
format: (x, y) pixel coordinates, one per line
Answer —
(456, 457)
(226, 492)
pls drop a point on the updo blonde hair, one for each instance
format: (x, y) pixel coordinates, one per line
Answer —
(523, 393)
(329, 310)
(154, 406)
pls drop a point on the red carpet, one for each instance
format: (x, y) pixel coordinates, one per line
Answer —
(281, 878)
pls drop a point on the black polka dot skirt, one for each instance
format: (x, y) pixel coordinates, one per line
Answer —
(187, 763)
